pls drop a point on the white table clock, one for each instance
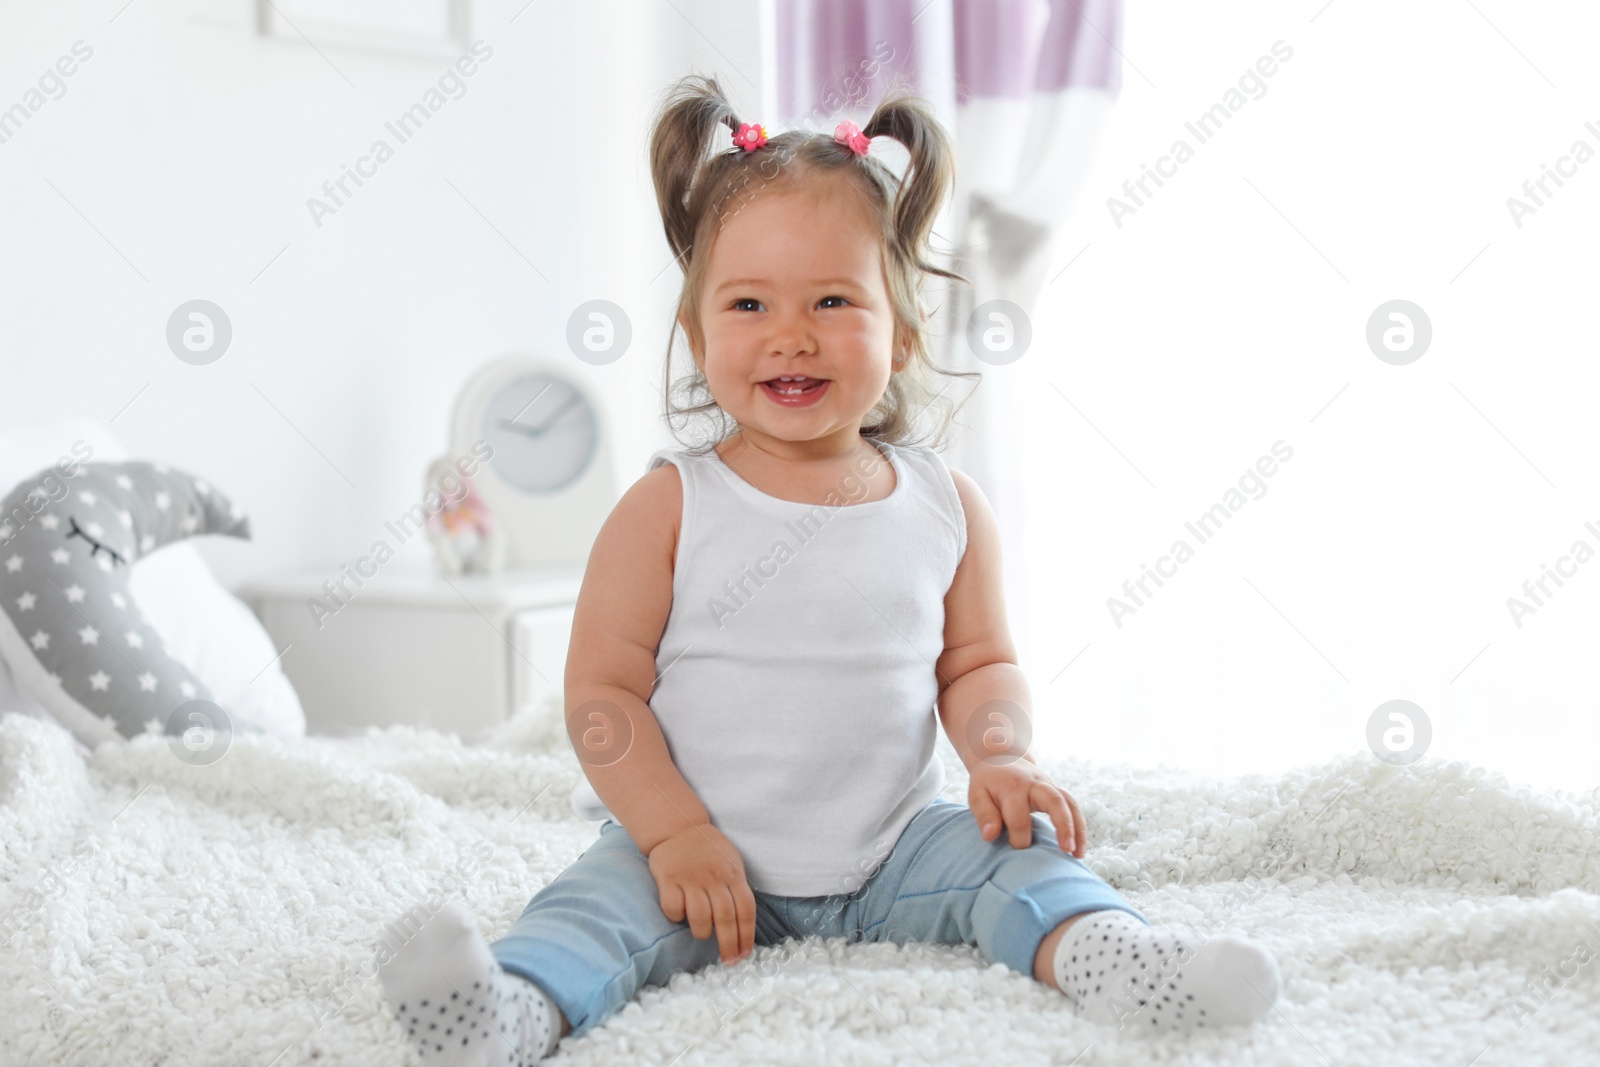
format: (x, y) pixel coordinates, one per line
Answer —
(548, 480)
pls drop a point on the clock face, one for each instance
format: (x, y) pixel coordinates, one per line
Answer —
(543, 431)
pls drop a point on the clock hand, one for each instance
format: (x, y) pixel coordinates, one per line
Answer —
(572, 398)
(533, 434)
(529, 430)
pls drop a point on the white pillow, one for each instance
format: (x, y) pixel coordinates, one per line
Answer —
(202, 624)
(215, 635)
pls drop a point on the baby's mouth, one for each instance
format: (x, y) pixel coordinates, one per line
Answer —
(796, 387)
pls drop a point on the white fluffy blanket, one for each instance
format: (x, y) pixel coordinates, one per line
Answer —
(160, 913)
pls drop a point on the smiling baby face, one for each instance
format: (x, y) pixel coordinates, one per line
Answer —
(794, 287)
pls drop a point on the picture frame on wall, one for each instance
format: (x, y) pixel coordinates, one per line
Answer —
(425, 28)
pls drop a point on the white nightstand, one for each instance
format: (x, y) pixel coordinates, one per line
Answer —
(454, 654)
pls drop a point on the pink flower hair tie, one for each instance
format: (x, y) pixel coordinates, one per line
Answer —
(849, 134)
(750, 136)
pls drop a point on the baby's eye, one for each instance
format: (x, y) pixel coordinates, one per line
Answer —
(744, 300)
(839, 298)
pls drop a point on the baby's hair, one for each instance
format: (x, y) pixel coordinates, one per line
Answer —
(697, 193)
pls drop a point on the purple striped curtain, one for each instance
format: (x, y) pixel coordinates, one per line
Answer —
(999, 48)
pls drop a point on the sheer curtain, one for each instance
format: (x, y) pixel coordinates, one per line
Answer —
(1025, 87)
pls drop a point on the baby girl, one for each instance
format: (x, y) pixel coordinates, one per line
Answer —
(772, 627)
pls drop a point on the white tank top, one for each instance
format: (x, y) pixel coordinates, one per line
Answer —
(795, 680)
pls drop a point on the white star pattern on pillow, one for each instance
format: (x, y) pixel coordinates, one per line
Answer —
(115, 665)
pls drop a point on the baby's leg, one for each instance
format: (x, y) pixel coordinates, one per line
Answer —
(1046, 914)
(596, 933)
(583, 945)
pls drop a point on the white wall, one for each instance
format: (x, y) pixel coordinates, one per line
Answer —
(191, 145)
(1230, 310)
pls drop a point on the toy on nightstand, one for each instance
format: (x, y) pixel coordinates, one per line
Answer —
(463, 530)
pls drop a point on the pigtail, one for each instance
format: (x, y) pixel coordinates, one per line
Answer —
(929, 176)
(692, 113)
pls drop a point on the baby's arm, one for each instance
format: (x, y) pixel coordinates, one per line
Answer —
(611, 666)
(983, 698)
(621, 612)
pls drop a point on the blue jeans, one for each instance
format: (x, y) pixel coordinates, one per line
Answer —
(596, 933)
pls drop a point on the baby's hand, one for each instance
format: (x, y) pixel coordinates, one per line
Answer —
(700, 875)
(1013, 791)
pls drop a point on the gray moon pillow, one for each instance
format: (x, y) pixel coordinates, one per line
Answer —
(69, 627)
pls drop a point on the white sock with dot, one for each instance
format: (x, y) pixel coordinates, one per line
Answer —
(1121, 972)
(459, 1006)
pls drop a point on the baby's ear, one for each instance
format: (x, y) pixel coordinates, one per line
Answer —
(902, 344)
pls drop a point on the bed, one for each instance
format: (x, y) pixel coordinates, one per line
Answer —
(159, 912)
